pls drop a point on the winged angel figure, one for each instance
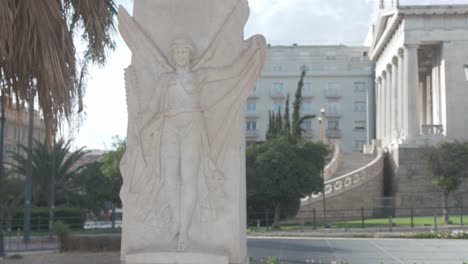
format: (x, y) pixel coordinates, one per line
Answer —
(180, 172)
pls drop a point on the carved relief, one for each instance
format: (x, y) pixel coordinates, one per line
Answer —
(173, 167)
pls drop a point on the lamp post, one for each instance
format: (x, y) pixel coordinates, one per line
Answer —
(322, 139)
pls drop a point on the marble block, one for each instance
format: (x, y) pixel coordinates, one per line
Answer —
(175, 258)
(184, 167)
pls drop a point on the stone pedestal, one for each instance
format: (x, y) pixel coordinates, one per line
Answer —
(178, 258)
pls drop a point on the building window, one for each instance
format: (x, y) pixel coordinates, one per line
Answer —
(278, 106)
(360, 87)
(251, 125)
(306, 125)
(359, 106)
(307, 87)
(333, 88)
(306, 108)
(331, 55)
(333, 124)
(332, 109)
(251, 107)
(360, 125)
(278, 68)
(14, 133)
(278, 87)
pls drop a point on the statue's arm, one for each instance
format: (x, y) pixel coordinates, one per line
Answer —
(137, 40)
(255, 44)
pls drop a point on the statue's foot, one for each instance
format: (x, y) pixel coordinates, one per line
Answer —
(182, 244)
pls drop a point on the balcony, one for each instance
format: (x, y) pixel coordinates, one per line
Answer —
(251, 134)
(307, 94)
(275, 94)
(332, 93)
(251, 114)
(253, 95)
(333, 133)
(432, 130)
(332, 113)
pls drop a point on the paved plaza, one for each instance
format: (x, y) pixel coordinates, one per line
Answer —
(308, 250)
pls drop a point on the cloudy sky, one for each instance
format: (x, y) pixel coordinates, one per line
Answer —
(282, 22)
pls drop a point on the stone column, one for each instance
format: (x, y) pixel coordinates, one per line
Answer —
(378, 95)
(429, 107)
(388, 104)
(411, 84)
(400, 94)
(436, 88)
(394, 102)
(383, 99)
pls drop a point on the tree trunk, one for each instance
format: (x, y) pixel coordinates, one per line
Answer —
(276, 222)
(445, 209)
(113, 216)
(52, 189)
(28, 185)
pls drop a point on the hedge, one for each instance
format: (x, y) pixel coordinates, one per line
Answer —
(74, 217)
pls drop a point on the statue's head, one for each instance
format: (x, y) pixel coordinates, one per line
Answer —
(182, 51)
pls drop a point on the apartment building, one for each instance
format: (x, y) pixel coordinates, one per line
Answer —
(17, 128)
(339, 79)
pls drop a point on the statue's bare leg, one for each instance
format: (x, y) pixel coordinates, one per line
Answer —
(191, 149)
(170, 157)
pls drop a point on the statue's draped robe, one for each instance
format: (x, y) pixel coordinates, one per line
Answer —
(221, 186)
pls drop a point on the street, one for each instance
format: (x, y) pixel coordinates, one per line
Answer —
(313, 250)
(361, 251)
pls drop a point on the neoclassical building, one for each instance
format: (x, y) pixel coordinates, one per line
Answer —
(421, 91)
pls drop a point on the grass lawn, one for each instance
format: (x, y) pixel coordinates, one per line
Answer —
(378, 222)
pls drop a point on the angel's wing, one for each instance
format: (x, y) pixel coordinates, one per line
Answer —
(211, 50)
(137, 39)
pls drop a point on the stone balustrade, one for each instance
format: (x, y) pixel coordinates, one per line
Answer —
(359, 188)
(432, 130)
(332, 166)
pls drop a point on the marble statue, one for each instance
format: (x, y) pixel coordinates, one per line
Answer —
(184, 171)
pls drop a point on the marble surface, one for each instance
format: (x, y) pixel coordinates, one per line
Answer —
(178, 258)
(184, 167)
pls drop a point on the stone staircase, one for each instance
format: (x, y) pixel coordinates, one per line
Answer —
(350, 162)
(352, 181)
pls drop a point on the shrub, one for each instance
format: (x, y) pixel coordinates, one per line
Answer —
(63, 233)
(73, 217)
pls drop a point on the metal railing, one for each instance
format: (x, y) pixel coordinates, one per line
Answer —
(377, 219)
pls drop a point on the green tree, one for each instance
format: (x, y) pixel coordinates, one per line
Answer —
(279, 173)
(38, 51)
(14, 187)
(448, 163)
(66, 167)
(282, 124)
(90, 188)
(110, 169)
(297, 118)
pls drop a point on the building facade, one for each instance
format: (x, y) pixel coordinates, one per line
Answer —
(17, 129)
(421, 93)
(339, 79)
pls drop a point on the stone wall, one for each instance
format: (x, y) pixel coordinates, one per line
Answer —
(346, 195)
(411, 184)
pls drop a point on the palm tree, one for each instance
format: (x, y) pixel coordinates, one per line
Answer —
(38, 57)
(37, 50)
(59, 160)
